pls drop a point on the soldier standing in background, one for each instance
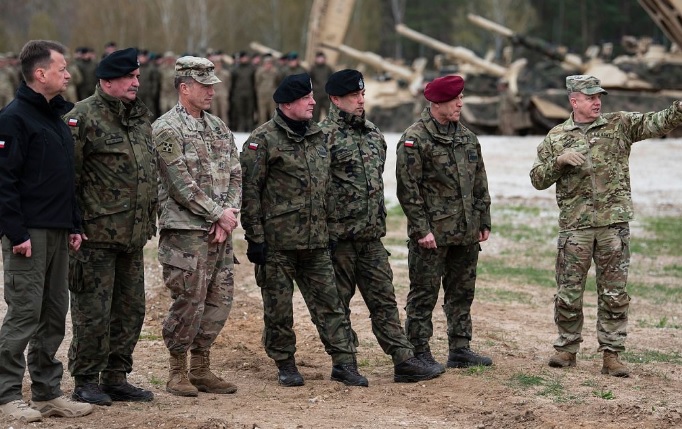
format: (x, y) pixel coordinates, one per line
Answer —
(587, 157)
(319, 73)
(443, 189)
(116, 186)
(199, 196)
(242, 94)
(294, 64)
(150, 83)
(168, 95)
(266, 82)
(221, 99)
(358, 154)
(285, 164)
(6, 87)
(87, 65)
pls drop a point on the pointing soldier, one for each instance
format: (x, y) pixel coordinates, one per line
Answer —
(587, 157)
(199, 197)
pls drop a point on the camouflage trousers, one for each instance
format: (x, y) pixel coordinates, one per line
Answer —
(609, 246)
(455, 266)
(313, 272)
(365, 264)
(200, 277)
(107, 313)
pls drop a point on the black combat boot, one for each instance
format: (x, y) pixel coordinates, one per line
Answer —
(427, 358)
(348, 374)
(126, 392)
(464, 357)
(91, 393)
(288, 375)
(413, 370)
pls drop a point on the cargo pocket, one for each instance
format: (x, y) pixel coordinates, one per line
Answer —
(561, 257)
(178, 267)
(77, 281)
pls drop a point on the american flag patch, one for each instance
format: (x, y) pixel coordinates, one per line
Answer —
(409, 143)
(73, 122)
(253, 146)
(2, 144)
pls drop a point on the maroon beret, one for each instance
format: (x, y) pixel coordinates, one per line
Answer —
(444, 89)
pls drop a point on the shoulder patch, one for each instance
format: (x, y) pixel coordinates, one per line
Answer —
(409, 143)
(72, 122)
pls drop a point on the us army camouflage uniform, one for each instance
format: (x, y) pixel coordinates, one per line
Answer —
(286, 181)
(116, 185)
(266, 83)
(443, 189)
(595, 206)
(200, 177)
(358, 156)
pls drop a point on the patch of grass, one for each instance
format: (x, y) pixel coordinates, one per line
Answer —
(522, 275)
(589, 383)
(674, 270)
(395, 211)
(553, 388)
(526, 381)
(649, 356)
(148, 336)
(503, 295)
(477, 370)
(662, 323)
(364, 362)
(604, 394)
(665, 234)
(656, 292)
(156, 381)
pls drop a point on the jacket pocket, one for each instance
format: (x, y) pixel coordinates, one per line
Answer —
(178, 268)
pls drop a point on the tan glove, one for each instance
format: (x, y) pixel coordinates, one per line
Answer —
(570, 158)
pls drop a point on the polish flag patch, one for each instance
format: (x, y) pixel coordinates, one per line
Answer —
(253, 146)
(409, 143)
(73, 122)
(2, 144)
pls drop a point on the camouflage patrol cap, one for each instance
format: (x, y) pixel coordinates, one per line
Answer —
(588, 85)
(200, 69)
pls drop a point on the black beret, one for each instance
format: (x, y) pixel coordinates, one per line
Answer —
(117, 64)
(292, 88)
(344, 82)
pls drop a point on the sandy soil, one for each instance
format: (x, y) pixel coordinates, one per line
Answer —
(518, 335)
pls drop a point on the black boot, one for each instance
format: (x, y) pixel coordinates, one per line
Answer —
(428, 360)
(348, 374)
(464, 357)
(288, 375)
(91, 393)
(413, 370)
(126, 392)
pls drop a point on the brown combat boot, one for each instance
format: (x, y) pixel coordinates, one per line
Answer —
(203, 378)
(178, 384)
(613, 366)
(562, 360)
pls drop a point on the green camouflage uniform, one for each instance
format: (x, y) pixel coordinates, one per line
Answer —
(200, 177)
(116, 182)
(286, 181)
(358, 156)
(266, 83)
(443, 189)
(595, 206)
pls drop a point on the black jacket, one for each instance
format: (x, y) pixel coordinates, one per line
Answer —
(37, 179)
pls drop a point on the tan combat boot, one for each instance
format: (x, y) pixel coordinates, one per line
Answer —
(203, 379)
(562, 360)
(613, 366)
(178, 384)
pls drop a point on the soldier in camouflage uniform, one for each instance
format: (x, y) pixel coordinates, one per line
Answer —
(117, 193)
(587, 157)
(443, 190)
(358, 154)
(285, 165)
(266, 83)
(199, 196)
(320, 73)
(6, 86)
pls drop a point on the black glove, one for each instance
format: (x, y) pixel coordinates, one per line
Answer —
(256, 252)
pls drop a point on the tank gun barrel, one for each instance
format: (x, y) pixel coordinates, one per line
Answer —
(533, 43)
(454, 52)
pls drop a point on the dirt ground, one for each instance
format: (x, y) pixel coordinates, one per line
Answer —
(517, 335)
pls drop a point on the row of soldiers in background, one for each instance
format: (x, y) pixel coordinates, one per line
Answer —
(242, 100)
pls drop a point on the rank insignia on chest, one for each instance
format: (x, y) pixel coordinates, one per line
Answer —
(253, 145)
(167, 147)
(409, 143)
(73, 122)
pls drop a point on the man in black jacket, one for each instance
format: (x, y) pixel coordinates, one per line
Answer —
(38, 219)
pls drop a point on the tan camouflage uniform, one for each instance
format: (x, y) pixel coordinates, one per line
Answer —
(286, 180)
(200, 177)
(443, 189)
(116, 186)
(595, 206)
